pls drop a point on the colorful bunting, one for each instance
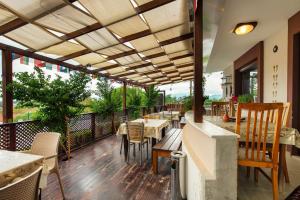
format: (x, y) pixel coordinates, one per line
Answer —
(62, 69)
(48, 66)
(24, 60)
(38, 63)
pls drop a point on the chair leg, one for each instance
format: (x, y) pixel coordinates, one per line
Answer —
(275, 183)
(122, 141)
(128, 153)
(141, 155)
(284, 167)
(147, 150)
(248, 172)
(134, 151)
(256, 174)
(60, 182)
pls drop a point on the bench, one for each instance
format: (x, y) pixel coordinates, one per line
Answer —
(171, 142)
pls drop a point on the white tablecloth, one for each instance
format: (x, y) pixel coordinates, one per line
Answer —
(15, 165)
(153, 127)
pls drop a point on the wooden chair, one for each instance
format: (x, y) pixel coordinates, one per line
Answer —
(286, 115)
(254, 152)
(135, 134)
(26, 188)
(46, 144)
(218, 107)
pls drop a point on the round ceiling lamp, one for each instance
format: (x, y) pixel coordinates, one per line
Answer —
(244, 28)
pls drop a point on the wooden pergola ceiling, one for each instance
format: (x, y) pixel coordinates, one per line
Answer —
(126, 40)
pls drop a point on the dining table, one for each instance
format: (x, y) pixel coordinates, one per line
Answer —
(288, 136)
(153, 128)
(15, 165)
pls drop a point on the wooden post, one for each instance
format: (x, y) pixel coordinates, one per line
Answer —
(7, 76)
(191, 88)
(198, 64)
(124, 98)
(12, 137)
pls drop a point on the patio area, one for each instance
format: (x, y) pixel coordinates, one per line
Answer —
(98, 171)
(98, 79)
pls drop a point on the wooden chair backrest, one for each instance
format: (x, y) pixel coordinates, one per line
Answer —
(257, 131)
(135, 131)
(153, 116)
(218, 107)
(286, 115)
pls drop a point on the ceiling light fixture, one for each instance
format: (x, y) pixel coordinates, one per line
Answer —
(244, 28)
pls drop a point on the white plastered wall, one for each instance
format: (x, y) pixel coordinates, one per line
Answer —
(275, 80)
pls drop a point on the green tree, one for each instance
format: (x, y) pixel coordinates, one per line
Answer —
(169, 99)
(109, 101)
(56, 100)
(134, 101)
(151, 97)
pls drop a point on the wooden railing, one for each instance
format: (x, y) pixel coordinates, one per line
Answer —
(83, 129)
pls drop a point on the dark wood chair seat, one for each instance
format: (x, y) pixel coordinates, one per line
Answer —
(171, 142)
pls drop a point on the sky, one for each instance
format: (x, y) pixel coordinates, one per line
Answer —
(212, 87)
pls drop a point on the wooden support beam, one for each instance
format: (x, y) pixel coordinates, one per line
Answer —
(106, 68)
(126, 53)
(198, 68)
(139, 66)
(151, 5)
(82, 31)
(176, 39)
(184, 65)
(74, 55)
(7, 77)
(182, 56)
(124, 98)
(154, 55)
(165, 66)
(135, 36)
(12, 25)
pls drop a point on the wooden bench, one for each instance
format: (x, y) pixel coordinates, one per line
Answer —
(171, 142)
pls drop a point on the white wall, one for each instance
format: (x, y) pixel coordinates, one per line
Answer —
(279, 59)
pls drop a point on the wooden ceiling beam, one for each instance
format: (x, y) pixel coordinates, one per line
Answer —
(135, 36)
(12, 25)
(139, 66)
(74, 55)
(154, 55)
(106, 68)
(151, 5)
(165, 66)
(177, 39)
(126, 53)
(185, 72)
(182, 56)
(185, 65)
(82, 31)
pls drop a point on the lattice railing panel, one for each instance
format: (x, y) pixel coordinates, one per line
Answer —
(103, 126)
(80, 130)
(25, 133)
(4, 136)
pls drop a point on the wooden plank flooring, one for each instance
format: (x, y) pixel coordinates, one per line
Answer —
(99, 172)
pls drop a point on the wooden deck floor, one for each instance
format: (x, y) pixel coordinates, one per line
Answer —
(99, 172)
